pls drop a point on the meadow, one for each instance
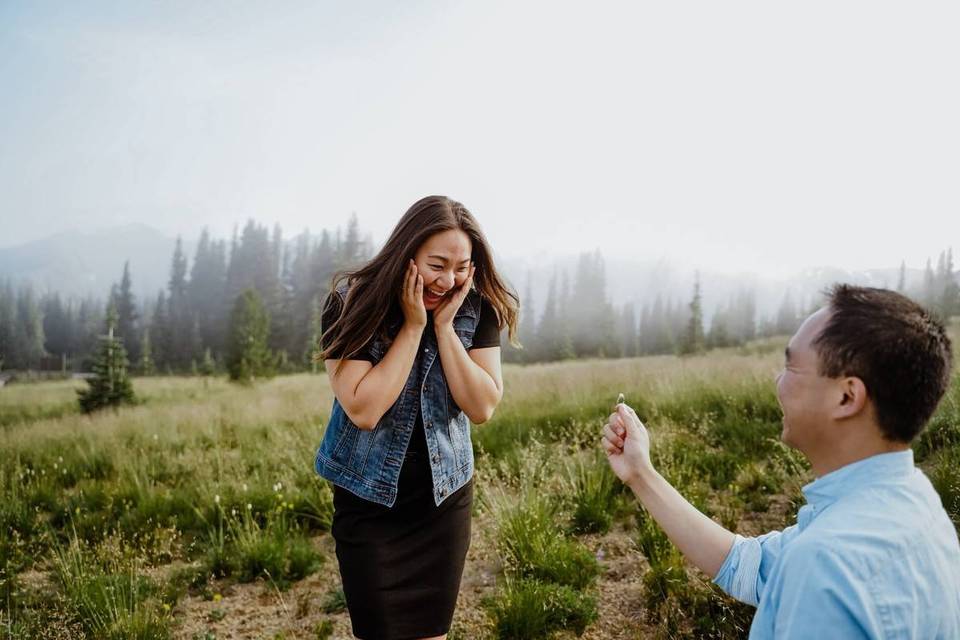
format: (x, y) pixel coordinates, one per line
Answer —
(197, 515)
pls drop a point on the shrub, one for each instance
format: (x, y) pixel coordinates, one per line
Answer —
(527, 609)
(594, 490)
(531, 547)
(112, 602)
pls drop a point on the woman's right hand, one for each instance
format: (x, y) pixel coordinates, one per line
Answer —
(411, 298)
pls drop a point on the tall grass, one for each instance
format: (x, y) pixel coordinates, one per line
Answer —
(595, 493)
(109, 600)
(526, 609)
(220, 480)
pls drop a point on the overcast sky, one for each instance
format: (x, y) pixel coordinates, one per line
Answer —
(761, 136)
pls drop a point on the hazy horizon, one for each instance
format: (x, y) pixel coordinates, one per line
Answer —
(743, 137)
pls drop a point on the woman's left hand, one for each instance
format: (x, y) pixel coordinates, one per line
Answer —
(446, 310)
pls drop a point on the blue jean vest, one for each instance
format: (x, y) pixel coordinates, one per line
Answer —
(367, 462)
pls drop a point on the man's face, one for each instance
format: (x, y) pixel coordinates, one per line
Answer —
(804, 395)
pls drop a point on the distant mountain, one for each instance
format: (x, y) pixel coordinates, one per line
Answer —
(80, 263)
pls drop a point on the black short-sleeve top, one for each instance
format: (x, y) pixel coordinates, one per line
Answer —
(486, 335)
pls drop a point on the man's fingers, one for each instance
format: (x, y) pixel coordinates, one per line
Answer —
(626, 416)
(610, 433)
(609, 447)
(617, 422)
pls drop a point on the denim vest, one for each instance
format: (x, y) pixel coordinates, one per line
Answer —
(367, 462)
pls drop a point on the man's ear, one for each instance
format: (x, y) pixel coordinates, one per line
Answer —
(853, 398)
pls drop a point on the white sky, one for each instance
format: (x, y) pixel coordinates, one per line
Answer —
(759, 136)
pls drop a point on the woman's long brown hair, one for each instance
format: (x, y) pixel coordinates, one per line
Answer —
(374, 289)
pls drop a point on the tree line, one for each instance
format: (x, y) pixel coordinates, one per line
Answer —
(578, 320)
(258, 283)
(253, 306)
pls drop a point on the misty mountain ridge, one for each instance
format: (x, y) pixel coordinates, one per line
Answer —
(87, 263)
(80, 263)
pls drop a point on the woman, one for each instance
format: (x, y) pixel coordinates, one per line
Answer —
(412, 348)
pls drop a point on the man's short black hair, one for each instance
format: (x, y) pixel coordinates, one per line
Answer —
(899, 350)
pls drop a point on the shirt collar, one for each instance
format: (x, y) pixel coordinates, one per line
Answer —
(880, 467)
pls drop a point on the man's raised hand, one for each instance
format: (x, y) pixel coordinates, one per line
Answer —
(627, 445)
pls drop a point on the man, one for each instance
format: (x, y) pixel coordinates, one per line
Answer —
(873, 553)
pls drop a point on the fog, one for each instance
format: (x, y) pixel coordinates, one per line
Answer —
(742, 137)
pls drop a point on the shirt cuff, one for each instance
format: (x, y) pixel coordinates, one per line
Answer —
(738, 575)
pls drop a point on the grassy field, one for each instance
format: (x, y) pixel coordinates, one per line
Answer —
(197, 514)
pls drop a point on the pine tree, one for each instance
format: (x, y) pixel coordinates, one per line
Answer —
(950, 298)
(90, 321)
(127, 313)
(180, 337)
(350, 249)
(743, 317)
(902, 278)
(160, 334)
(788, 318)
(528, 329)
(58, 327)
(563, 346)
(643, 340)
(29, 330)
(208, 365)
(205, 291)
(929, 294)
(147, 366)
(628, 337)
(313, 344)
(660, 332)
(248, 355)
(693, 340)
(719, 335)
(8, 320)
(110, 385)
(550, 334)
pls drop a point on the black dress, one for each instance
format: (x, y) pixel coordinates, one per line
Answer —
(401, 565)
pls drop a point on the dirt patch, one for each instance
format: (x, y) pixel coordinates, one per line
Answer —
(619, 588)
(258, 610)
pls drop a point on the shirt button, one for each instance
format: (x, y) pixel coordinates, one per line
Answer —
(436, 459)
(429, 423)
(443, 492)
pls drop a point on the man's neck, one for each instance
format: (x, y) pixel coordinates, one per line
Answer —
(836, 455)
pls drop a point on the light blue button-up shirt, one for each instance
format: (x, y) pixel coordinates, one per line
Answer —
(873, 555)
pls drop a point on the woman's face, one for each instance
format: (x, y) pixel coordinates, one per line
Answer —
(444, 262)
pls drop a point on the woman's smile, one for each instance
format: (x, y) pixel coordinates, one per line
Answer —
(432, 296)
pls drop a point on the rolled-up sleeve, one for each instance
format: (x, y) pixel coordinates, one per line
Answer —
(747, 566)
(739, 573)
